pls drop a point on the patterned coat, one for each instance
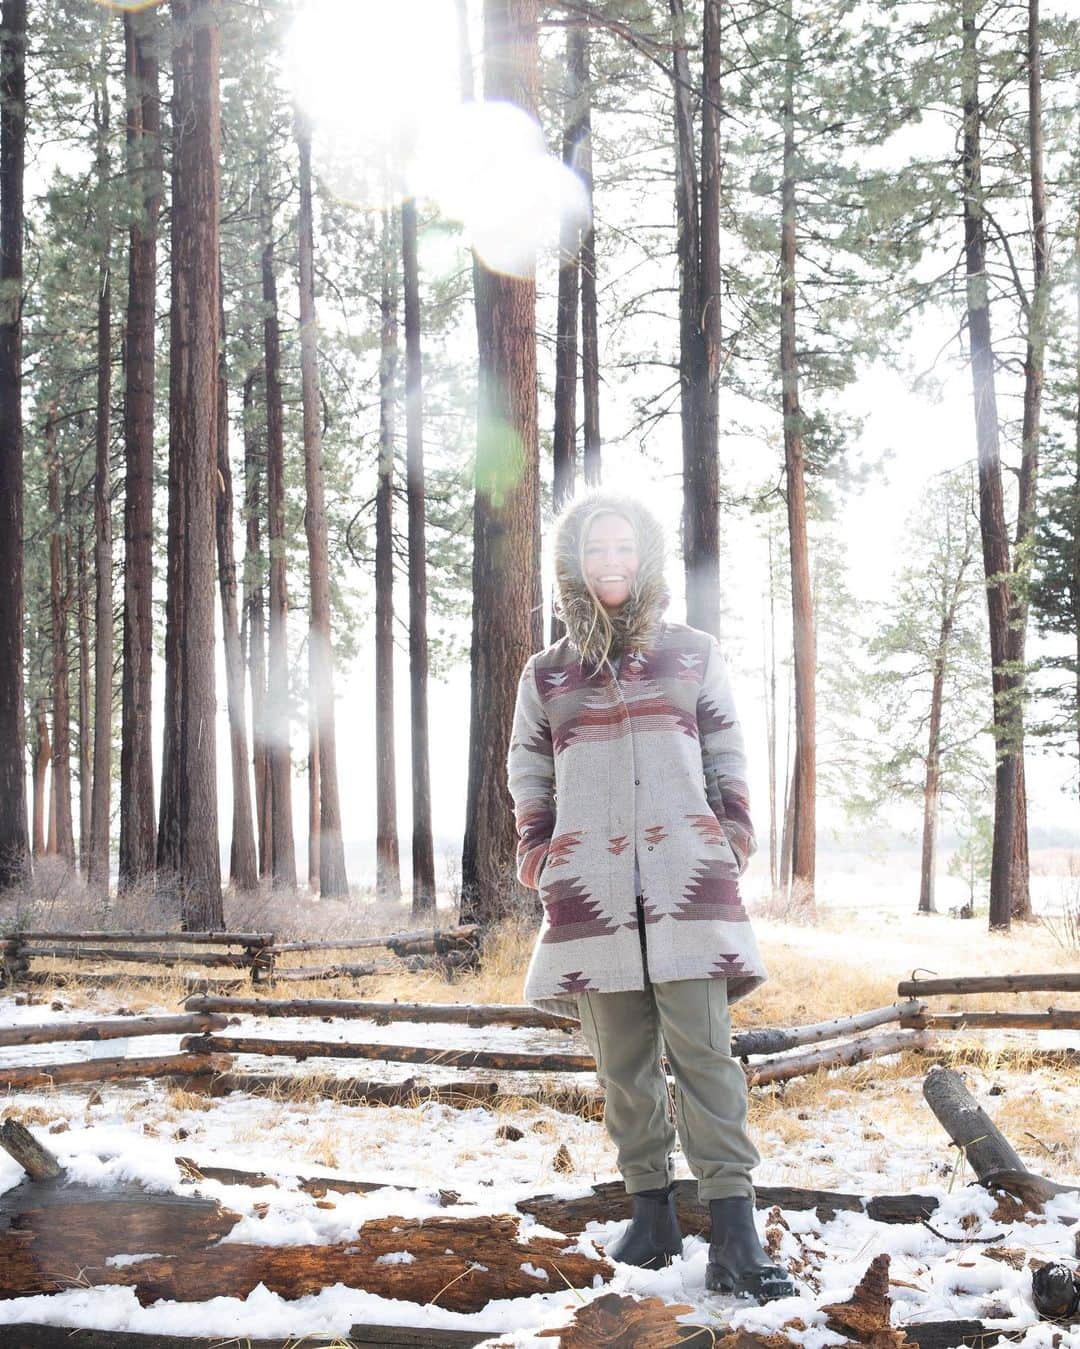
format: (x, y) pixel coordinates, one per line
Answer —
(647, 760)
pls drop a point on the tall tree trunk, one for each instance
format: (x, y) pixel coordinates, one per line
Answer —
(138, 834)
(278, 728)
(58, 603)
(97, 868)
(78, 584)
(803, 843)
(995, 540)
(1029, 459)
(333, 882)
(387, 856)
(255, 620)
(14, 843)
(590, 342)
(697, 251)
(506, 533)
(564, 435)
(243, 863)
(932, 782)
(423, 848)
(770, 712)
(314, 823)
(42, 756)
(193, 432)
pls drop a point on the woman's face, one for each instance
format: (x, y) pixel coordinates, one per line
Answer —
(611, 559)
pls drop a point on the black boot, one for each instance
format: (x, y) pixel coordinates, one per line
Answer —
(653, 1236)
(737, 1262)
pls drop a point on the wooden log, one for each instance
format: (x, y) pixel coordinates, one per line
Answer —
(779, 1039)
(31, 1077)
(182, 938)
(608, 1203)
(209, 958)
(949, 1334)
(968, 1125)
(382, 1013)
(119, 1028)
(461, 1095)
(1056, 1018)
(192, 983)
(644, 1323)
(36, 1336)
(316, 1186)
(497, 1060)
(466, 933)
(53, 1229)
(1033, 1189)
(1062, 982)
(1022, 1055)
(459, 1263)
(306, 973)
(782, 1068)
(34, 1158)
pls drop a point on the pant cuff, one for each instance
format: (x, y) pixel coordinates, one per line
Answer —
(648, 1180)
(725, 1189)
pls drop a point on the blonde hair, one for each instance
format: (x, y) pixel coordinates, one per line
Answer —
(600, 616)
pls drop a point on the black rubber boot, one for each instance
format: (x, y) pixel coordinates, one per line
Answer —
(737, 1261)
(653, 1237)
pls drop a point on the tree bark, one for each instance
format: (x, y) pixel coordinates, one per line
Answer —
(64, 844)
(14, 842)
(255, 621)
(42, 757)
(804, 786)
(79, 585)
(243, 863)
(995, 540)
(590, 342)
(1029, 458)
(423, 850)
(278, 720)
(932, 783)
(387, 861)
(138, 834)
(506, 534)
(193, 433)
(770, 717)
(333, 882)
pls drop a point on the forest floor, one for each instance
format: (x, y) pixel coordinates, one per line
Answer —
(864, 1129)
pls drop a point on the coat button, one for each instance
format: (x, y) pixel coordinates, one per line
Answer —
(637, 782)
(650, 847)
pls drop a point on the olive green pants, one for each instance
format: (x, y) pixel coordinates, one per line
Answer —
(624, 1032)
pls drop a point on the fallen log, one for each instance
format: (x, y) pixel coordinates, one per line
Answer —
(112, 1070)
(1056, 1018)
(1004, 1055)
(645, 1323)
(607, 1202)
(36, 1336)
(412, 1091)
(1062, 982)
(316, 1186)
(34, 1158)
(306, 973)
(192, 983)
(185, 938)
(468, 932)
(232, 960)
(784, 1067)
(459, 1263)
(53, 1229)
(496, 1060)
(457, 1013)
(968, 1125)
(118, 1028)
(778, 1039)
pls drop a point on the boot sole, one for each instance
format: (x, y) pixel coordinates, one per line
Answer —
(719, 1279)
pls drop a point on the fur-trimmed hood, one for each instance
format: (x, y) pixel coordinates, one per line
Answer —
(636, 622)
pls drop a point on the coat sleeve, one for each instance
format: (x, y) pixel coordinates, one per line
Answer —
(530, 770)
(723, 757)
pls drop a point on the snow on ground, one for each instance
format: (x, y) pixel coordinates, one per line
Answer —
(135, 1133)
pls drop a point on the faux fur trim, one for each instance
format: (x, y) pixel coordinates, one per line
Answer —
(637, 620)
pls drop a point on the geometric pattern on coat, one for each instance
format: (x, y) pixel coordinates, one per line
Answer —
(572, 912)
(712, 894)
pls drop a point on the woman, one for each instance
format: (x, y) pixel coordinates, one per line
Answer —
(627, 773)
